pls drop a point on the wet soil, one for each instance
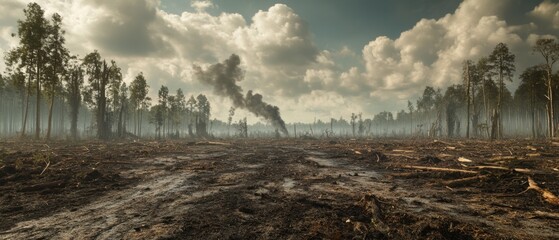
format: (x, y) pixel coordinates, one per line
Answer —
(278, 189)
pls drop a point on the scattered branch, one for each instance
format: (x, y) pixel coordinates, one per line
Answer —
(437, 169)
(464, 181)
(464, 160)
(48, 164)
(547, 195)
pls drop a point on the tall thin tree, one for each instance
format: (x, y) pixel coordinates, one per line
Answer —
(549, 50)
(56, 61)
(502, 65)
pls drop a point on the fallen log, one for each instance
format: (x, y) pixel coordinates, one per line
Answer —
(464, 181)
(547, 195)
(437, 169)
(520, 170)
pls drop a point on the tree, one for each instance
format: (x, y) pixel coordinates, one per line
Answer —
(203, 115)
(454, 98)
(549, 50)
(2, 97)
(99, 76)
(484, 74)
(243, 128)
(191, 105)
(502, 65)
(353, 122)
(30, 55)
(383, 118)
(114, 103)
(178, 106)
(361, 125)
(163, 95)
(410, 108)
(427, 101)
(138, 94)
(16, 62)
(74, 84)
(436, 127)
(467, 75)
(123, 109)
(56, 61)
(157, 119)
(230, 118)
(532, 88)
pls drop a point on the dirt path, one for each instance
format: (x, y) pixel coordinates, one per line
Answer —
(291, 190)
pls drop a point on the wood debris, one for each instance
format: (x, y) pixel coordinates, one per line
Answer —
(464, 160)
(547, 195)
(531, 148)
(439, 169)
(403, 151)
(542, 214)
(501, 158)
(464, 181)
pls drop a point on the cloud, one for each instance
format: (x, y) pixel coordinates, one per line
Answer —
(547, 11)
(127, 28)
(431, 53)
(201, 6)
(279, 55)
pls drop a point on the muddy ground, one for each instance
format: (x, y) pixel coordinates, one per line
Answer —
(279, 189)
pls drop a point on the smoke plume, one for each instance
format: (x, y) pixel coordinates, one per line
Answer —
(224, 77)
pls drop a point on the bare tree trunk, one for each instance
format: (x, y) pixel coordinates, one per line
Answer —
(49, 126)
(468, 98)
(119, 126)
(26, 112)
(532, 109)
(486, 108)
(550, 122)
(500, 120)
(38, 106)
(140, 124)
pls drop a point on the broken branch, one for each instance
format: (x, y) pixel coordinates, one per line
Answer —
(541, 214)
(520, 170)
(439, 169)
(464, 181)
(547, 195)
(464, 160)
(48, 164)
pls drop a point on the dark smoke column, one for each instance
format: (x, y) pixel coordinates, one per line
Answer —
(223, 78)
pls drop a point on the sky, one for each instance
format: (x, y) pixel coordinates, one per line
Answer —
(314, 59)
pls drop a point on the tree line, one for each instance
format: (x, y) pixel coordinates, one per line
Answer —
(483, 103)
(42, 73)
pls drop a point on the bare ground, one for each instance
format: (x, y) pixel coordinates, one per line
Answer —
(278, 189)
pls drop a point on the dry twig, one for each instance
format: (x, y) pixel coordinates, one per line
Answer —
(439, 169)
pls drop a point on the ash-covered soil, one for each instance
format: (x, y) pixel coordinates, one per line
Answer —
(279, 189)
